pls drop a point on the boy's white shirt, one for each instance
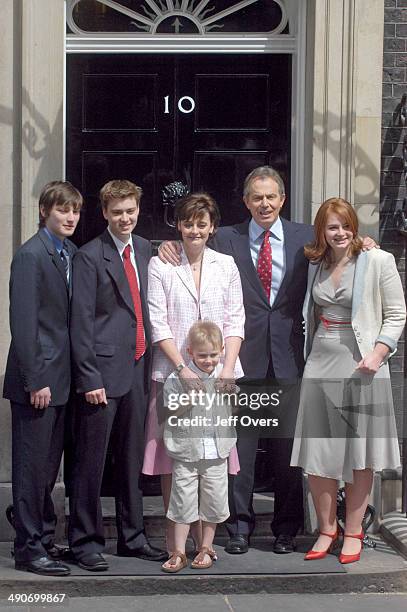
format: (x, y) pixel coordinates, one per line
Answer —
(208, 443)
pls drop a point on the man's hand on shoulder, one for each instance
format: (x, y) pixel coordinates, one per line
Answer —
(169, 251)
(97, 396)
(369, 243)
(40, 399)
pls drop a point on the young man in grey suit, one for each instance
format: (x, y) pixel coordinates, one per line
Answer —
(111, 347)
(38, 375)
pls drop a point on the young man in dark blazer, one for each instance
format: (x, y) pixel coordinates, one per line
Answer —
(111, 347)
(38, 375)
(273, 345)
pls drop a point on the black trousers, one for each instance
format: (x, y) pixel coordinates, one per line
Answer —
(37, 443)
(288, 495)
(122, 421)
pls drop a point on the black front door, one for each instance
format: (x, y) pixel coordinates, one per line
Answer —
(205, 120)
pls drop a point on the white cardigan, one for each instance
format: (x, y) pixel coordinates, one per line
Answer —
(378, 303)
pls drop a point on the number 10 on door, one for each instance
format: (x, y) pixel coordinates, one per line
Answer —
(186, 104)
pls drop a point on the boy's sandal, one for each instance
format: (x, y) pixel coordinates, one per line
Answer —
(199, 563)
(196, 549)
(173, 566)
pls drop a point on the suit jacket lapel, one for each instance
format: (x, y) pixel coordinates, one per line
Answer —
(241, 253)
(49, 245)
(142, 267)
(290, 249)
(115, 269)
(142, 260)
(184, 273)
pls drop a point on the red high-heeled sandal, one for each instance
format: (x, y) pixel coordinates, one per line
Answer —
(352, 558)
(312, 555)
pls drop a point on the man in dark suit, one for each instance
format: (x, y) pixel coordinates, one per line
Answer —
(38, 375)
(273, 345)
(111, 347)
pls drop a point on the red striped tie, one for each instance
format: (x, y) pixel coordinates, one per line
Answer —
(135, 294)
(264, 264)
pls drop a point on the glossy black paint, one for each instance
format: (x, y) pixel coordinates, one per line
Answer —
(117, 127)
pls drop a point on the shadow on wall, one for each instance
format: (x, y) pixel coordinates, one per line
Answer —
(40, 140)
(330, 140)
(42, 143)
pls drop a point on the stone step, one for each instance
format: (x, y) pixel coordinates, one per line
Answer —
(155, 526)
(379, 571)
(154, 518)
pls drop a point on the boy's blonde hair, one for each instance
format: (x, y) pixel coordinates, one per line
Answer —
(205, 331)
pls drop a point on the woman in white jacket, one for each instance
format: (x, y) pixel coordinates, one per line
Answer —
(205, 286)
(354, 314)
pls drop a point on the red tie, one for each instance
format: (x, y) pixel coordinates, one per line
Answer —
(264, 263)
(135, 294)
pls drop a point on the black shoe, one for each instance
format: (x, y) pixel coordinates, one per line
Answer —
(237, 544)
(93, 562)
(44, 566)
(59, 553)
(10, 516)
(146, 552)
(284, 544)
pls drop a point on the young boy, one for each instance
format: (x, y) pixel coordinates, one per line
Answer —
(198, 436)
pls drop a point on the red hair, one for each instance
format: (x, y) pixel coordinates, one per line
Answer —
(319, 250)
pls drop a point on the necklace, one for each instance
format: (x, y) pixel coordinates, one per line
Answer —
(196, 266)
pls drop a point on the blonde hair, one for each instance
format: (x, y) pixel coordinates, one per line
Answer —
(205, 331)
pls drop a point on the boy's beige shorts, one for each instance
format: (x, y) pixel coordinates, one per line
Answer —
(199, 491)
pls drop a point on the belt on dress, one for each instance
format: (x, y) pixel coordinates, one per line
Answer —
(327, 322)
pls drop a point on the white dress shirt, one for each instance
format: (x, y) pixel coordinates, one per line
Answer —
(120, 245)
(256, 236)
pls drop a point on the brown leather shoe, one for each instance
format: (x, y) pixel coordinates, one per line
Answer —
(199, 561)
(172, 566)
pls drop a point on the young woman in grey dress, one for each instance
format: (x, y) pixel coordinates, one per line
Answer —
(354, 314)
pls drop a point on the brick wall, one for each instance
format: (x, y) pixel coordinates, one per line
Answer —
(393, 187)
